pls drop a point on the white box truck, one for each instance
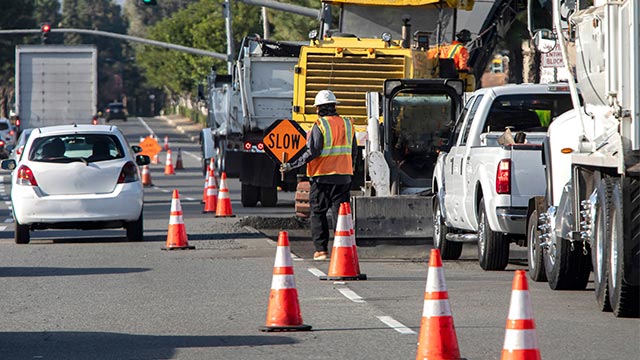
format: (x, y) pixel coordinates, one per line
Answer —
(55, 85)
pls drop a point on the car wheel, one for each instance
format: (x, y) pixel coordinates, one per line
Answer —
(449, 250)
(135, 230)
(534, 250)
(22, 233)
(269, 196)
(493, 249)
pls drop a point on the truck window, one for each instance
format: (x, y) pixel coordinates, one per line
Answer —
(526, 112)
(460, 121)
(472, 113)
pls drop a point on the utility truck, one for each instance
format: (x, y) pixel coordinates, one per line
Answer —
(241, 108)
(494, 165)
(589, 217)
(55, 85)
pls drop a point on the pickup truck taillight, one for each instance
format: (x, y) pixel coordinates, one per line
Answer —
(25, 176)
(503, 177)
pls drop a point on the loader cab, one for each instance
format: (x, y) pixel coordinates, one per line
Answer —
(417, 126)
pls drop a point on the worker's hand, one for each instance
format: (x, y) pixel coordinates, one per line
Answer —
(285, 167)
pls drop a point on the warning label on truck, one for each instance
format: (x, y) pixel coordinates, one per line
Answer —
(284, 141)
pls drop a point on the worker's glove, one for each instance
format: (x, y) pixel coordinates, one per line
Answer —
(285, 167)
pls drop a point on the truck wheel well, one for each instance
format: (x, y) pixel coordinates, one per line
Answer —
(479, 197)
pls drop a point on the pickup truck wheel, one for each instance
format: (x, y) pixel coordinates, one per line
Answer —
(625, 231)
(449, 250)
(534, 250)
(21, 233)
(601, 229)
(493, 250)
(269, 196)
(249, 195)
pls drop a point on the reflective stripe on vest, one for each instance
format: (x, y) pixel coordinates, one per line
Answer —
(335, 158)
(453, 51)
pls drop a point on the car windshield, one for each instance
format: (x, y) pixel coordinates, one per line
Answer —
(76, 147)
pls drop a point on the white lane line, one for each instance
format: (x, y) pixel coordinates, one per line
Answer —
(351, 295)
(190, 199)
(8, 220)
(316, 272)
(197, 157)
(3, 228)
(395, 325)
(149, 129)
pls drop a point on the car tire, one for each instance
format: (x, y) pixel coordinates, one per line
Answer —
(135, 229)
(493, 249)
(22, 235)
(269, 196)
(449, 250)
(535, 262)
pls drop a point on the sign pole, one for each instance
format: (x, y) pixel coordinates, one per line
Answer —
(284, 160)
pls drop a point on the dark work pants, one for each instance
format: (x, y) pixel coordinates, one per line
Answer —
(323, 197)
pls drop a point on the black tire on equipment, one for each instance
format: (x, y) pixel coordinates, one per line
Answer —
(534, 250)
(493, 250)
(601, 229)
(623, 296)
(22, 235)
(135, 229)
(249, 195)
(449, 250)
(269, 196)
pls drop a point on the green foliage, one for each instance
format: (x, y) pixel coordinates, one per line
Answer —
(291, 27)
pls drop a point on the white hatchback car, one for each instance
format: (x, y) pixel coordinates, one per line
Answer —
(77, 177)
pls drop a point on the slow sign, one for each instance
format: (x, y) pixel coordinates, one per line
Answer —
(284, 141)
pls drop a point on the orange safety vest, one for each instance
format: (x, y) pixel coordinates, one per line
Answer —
(458, 53)
(335, 158)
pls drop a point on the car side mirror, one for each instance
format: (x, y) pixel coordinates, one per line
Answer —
(8, 164)
(143, 160)
(136, 148)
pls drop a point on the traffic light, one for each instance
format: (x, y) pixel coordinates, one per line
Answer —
(149, 2)
(45, 29)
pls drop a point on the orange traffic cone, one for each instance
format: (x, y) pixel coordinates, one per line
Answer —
(146, 176)
(179, 165)
(283, 313)
(437, 339)
(155, 159)
(353, 237)
(206, 181)
(166, 143)
(223, 208)
(177, 234)
(520, 340)
(342, 265)
(211, 201)
(168, 165)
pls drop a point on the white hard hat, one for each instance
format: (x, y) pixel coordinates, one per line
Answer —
(325, 97)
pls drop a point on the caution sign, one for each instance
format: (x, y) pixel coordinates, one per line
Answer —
(284, 141)
(150, 147)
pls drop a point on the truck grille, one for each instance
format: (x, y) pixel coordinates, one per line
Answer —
(350, 77)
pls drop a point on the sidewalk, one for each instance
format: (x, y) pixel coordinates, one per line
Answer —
(184, 125)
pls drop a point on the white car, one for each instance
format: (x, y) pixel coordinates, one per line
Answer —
(77, 177)
(7, 133)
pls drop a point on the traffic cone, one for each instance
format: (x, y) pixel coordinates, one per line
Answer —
(168, 166)
(283, 312)
(206, 181)
(342, 265)
(520, 340)
(146, 176)
(155, 159)
(166, 143)
(353, 237)
(179, 165)
(211, 201)
(223, 208)
(437, 339)
(177, 234)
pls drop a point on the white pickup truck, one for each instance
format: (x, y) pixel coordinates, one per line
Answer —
(494, 166)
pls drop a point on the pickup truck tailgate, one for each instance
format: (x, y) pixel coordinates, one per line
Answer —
(527, 174)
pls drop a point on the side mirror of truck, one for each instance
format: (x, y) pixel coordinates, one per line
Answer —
(544, 40)
(8, 164)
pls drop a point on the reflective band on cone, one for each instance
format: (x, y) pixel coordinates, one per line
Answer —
(211, 201)
(437, 339)
(283, 312)
(343, 263)
(168, 166)
(177, 234)
(520, 340)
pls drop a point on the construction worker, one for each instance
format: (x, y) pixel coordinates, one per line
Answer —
(457, 51)
(330, 155)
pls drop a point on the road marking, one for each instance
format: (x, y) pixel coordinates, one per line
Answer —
(190, 199)
(8, 220)
(149, 129)
(3, 228)
(316, 272)
(395, 325)
(197, 157)
(351, 295)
